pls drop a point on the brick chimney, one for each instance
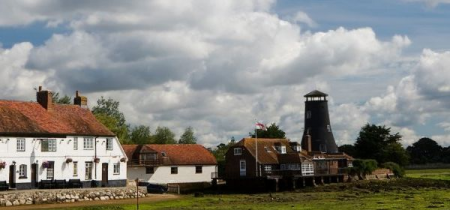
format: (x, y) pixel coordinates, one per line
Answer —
(44, 98)
(307, 144)
(80, 100)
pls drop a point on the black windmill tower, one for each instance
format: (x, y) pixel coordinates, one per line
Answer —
(317, 135)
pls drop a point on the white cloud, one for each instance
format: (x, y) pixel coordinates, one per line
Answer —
(302, 17)
(16, 82)
(347, 120)
(217, 66)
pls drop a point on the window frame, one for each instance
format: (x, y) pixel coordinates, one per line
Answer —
(148, 171)
(75, 143)
(198, 169)
(174, 170)
(23, 171)
(75, 169)
(21, 145)
(109, 144)
(116, 168)
(51, 170)
(237, 151)
(88, 170)
(283, 149)
(50, 143)
(88, 143)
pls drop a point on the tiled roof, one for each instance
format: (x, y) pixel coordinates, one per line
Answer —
(129, 150)
(19, 118)
(174, 154)
(266, 152)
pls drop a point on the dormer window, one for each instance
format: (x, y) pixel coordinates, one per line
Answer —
(283, 149)
(267, 149)
(237, 151)
(163, 154)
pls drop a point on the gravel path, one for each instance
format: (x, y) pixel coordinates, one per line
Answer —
(152, 197)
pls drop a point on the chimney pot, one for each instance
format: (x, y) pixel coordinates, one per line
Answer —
(44, 98)
(80, 100)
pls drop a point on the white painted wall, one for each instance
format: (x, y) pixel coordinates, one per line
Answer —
(162, 175)
(64, 150)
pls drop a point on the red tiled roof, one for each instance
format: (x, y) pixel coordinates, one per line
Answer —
(175, 154)
(31, 119)
(129, 150)
(266, 152)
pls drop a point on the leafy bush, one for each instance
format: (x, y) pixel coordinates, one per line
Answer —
(394, 167)
(362, 167)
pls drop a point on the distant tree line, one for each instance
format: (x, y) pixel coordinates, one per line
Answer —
(376, 142)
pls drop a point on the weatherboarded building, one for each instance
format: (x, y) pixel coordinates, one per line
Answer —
(170, 163)
(43, 144)
(279, 163)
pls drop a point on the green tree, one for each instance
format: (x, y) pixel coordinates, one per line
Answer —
(141, 135)
(107, 112)
(163, 135)
(377, 142)
(64, 100)
(395, 168)
(188, 137)
(425, 150)
(273, 131)
(348, 149)
(110, 108)
(111, 123)
(363, 167)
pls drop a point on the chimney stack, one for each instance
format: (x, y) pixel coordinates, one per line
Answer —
(306, 142)
(44, 98)
(80, 100)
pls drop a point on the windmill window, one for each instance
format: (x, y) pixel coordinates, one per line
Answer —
(308, 114)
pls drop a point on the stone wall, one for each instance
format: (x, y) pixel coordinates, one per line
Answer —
(29, 197)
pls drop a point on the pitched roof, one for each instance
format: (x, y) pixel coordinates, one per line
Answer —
(18, 118)
(315, 93)
(266, 151)
(129, 150)
(174, 154)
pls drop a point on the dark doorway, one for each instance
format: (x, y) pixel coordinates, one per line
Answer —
(104, 174)
(34, 173)
(12, 176)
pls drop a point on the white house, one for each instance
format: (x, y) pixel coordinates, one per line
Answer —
(170, 163)
(42, 141)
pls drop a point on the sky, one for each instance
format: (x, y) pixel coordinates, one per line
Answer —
(219, 66)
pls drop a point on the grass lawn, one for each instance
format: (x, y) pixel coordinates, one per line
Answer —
(396, 194)
(439, 174)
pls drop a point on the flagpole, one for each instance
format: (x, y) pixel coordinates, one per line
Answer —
(256, 142)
